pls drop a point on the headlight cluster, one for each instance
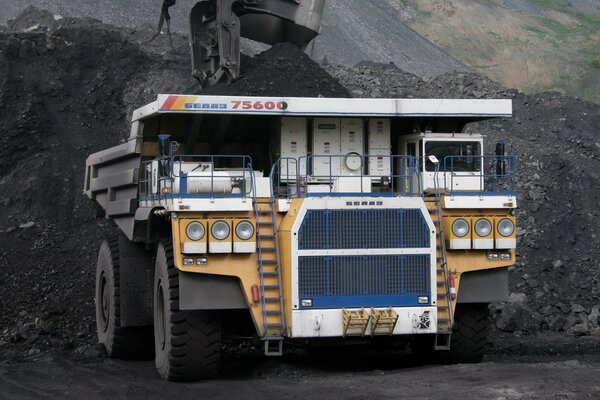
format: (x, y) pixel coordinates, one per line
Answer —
(487, 233)
(215, 236)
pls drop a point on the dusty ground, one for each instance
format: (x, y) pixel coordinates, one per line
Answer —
(373, 376)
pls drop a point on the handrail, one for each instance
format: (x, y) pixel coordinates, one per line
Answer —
(502, 178)
(173, 181)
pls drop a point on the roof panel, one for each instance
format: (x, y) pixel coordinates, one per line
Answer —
(298, 106)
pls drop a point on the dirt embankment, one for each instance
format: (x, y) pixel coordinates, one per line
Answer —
(67, 89)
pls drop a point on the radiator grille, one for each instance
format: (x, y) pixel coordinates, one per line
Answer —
(372, 280)
(363, 229)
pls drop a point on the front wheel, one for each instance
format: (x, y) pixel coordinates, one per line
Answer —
(470, 333)
(187, 343)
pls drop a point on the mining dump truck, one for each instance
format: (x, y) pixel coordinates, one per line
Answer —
(301, 221)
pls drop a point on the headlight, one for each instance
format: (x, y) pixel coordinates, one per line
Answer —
(195, 230)
(483, 227)
(220, 230)
(460, 227)
(244, 230)
(506, 227)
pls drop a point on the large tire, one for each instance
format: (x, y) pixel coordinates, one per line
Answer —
(187, 343)
(119, 342)
(470, 334)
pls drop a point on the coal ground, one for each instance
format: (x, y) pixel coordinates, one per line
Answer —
(67, 89)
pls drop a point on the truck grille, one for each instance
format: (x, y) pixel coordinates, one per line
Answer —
(364, 281)
(363, 229)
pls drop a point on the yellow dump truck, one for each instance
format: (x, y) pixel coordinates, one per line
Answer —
(301, 220)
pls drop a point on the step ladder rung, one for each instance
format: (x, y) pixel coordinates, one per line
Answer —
(270, 287)
(266, 249)
(264, 223)
(270, 273)
(263, 236)
(264, 212)
(268, 262)
(273, 312)
(271, 299)
(274, 325)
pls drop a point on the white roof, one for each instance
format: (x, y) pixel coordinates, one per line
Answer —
(334, 107)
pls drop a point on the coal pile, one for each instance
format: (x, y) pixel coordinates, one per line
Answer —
(556, 282)
(67, 89)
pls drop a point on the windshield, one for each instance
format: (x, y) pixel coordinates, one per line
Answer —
(463, 153)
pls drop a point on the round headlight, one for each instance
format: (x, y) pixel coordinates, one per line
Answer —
(244, 230)
(483, 227)
(460, 227)
(220, 230)
(195, 230)
(506, 227)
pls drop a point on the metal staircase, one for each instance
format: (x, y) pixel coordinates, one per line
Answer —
(445, 314)
(269, 270)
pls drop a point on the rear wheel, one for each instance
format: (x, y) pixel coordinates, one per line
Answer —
(119, 342)
(187, 343)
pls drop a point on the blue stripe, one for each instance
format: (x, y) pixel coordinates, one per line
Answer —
(324, 302)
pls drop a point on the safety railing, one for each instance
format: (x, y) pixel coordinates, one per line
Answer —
(493, 173)
(196, 176)
(362, 175)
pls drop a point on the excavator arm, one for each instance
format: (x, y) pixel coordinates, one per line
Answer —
(217, 25)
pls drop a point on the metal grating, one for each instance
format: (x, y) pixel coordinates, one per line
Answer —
(364, 275)
(363, 229)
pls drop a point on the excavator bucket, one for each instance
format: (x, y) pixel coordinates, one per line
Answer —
(217, 25)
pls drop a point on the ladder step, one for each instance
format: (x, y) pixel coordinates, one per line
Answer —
(264, 223)
(270, 274)
(263, 212)
(270, 286)
(443, 320)
(441, 283)
(271, 299)
(271, 236)
(274, 325)
(443, 307)
(273, 312)
(268, 262)
(266, 248)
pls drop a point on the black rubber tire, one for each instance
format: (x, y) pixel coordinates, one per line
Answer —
(469, 334)
(187, 343)
(129, 343)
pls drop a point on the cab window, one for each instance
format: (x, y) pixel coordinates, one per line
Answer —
(464, 156)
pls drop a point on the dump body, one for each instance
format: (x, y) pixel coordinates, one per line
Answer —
(322, 218)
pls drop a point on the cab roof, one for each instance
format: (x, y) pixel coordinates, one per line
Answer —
(472, 109)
